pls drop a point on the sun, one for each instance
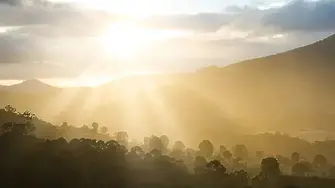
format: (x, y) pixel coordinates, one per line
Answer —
(125, 40)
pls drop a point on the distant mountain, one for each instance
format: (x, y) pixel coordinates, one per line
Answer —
(29, 86)
(287, 92)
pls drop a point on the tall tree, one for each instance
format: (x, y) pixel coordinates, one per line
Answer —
(270, 168)
(155, 143)
(295, 158)
(241, 152)
(319, 161)
(206, 148)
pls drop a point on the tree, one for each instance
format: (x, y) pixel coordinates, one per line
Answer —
(137, 150)
(17, 128)
(9, 108)
(156, 143)
(65, 125)
(178, 150)
(283, 160)
(215, 166)
(85, 128)
(227, 155)
(95, 127)
(155, 153)
(179, 145)
(301, 168)
(319, 161)
(199, 164)
(206, 148)
(222, 149)
(270, 168)
(64, 130)
(122, 138)
(332, 172)
(165, 141)
(295, 158)
(28, 115)
(103, 130)
(241, 151)
(135, 154)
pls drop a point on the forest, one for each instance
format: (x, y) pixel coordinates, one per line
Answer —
(68, 156)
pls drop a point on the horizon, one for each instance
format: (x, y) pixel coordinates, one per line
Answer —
(97, 81)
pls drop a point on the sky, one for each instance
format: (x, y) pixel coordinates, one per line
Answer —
(86, 42)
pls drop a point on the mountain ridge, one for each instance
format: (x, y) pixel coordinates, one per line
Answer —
(29, 86)
(288, 91)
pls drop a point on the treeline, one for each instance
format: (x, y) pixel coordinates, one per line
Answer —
(27, 161)
(91, 157)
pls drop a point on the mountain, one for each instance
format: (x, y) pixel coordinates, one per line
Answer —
(288, 92)
(293, 89)
(29, 86)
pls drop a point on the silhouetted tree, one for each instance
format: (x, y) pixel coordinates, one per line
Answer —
(155, 143)
(206, 148)
(241, 151)
(65, 125)
(95, 127)
(227, 155)
(222, 149)
(283, 160)
(122, 138)
(165, 141)
(178, 145)
(319, 161)
(295, 158)
(103, 130)
(178, 150)
(17, 128)
(301, 168)
(332, 172)
(137, 150)
(270, 167)
(215, 166)
(199, 164)
(9, 108)
(28, 115)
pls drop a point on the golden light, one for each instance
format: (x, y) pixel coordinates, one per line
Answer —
(125, 40)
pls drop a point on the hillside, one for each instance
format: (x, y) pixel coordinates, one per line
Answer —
(288, 92)
(293, 89)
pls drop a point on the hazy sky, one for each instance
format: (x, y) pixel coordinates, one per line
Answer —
(64, 40)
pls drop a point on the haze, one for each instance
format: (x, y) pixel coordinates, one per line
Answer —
(156, 64)
(167, 93)
(86, 43)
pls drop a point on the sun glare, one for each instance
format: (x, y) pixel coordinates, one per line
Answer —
(125, 40)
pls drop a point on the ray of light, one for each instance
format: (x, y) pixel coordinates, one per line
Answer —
(165, 121)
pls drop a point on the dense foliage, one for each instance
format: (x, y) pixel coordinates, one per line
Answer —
(29, 161)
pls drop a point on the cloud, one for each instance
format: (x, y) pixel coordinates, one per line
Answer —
(201, 22)
(25, 2)
(302, 15)
(43, 18)
(49, 36)
(297, 15)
